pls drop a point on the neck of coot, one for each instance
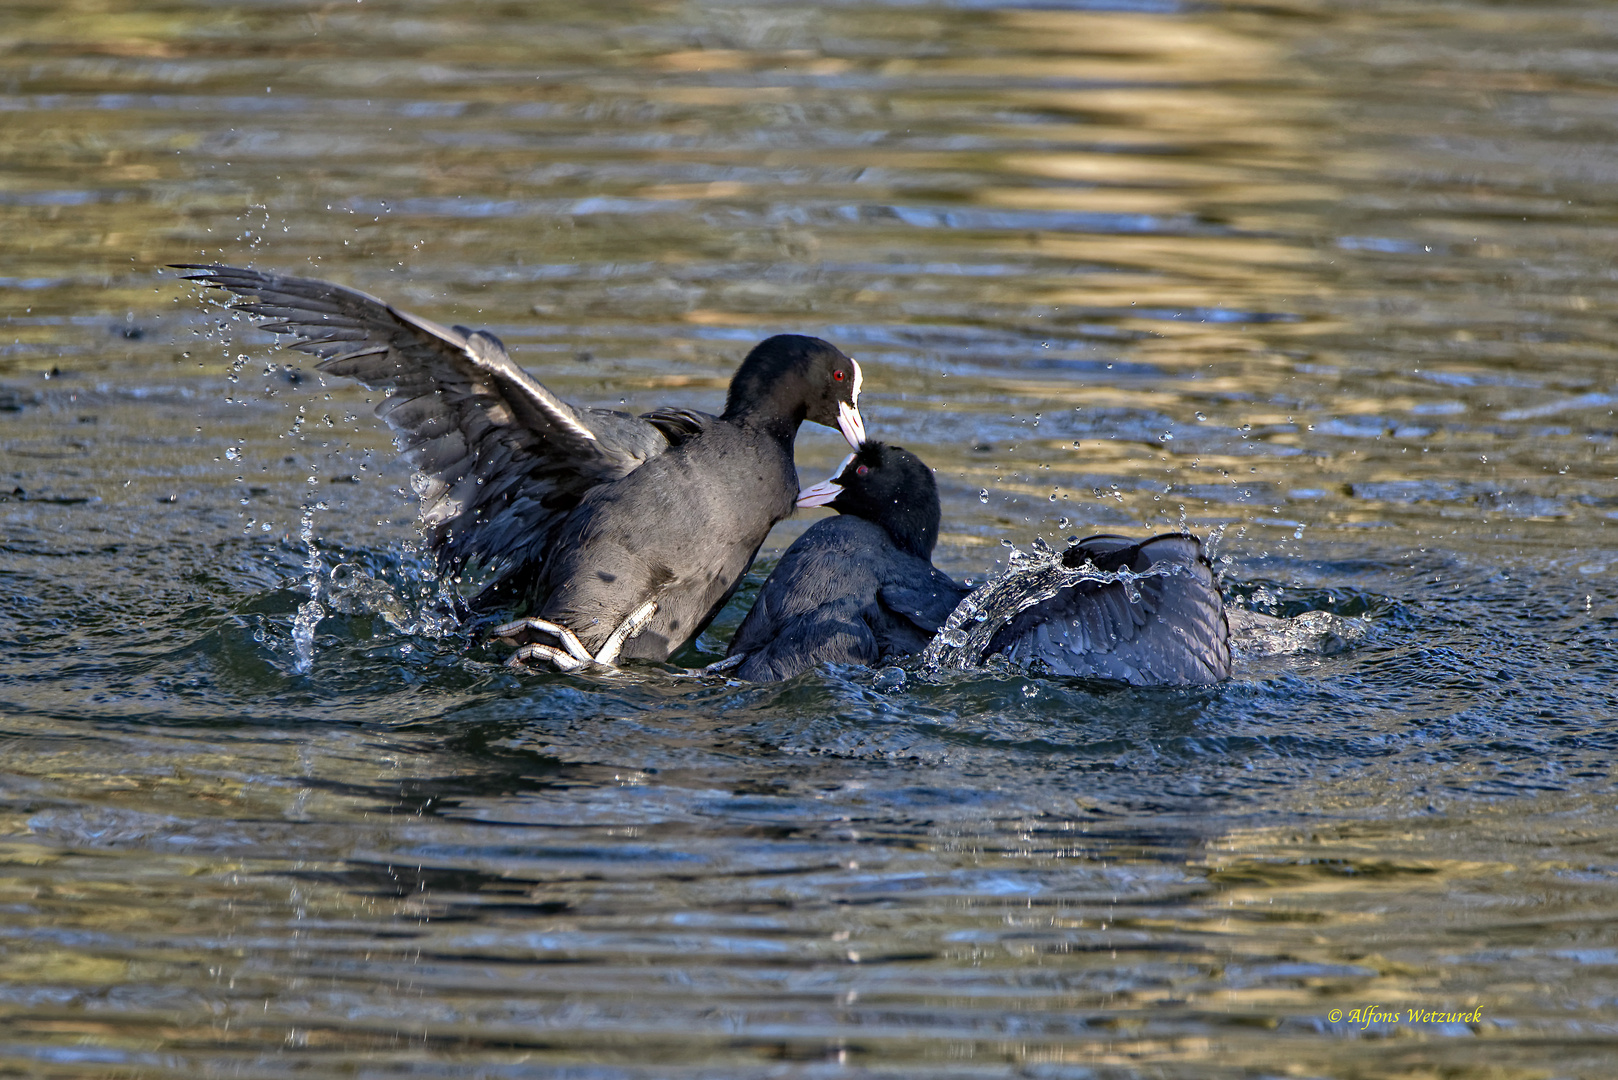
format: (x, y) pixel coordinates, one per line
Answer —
(776, 407)
(914, 529)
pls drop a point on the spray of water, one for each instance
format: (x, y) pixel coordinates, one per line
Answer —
(311, 611)
(1030, 578)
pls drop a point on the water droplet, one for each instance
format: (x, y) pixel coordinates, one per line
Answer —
(1202, 416)
(303, 634)
(889, 679)
(954, 638)
(1167, 436)
(232, 453)
(983, 495)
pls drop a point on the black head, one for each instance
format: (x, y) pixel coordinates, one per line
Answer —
(887, 485)
(791, 378)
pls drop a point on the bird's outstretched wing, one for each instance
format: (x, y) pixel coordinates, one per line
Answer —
(1165, 627)
(503, 457)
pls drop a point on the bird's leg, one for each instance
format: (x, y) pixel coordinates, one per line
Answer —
(562, 660)
(718, 667)
(627, 629)
(570, 641)
(576, 655)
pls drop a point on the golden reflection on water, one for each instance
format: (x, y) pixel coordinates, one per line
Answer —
(1165, 168)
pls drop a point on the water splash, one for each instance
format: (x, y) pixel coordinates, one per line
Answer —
(889, 680)
(351, 591)
(311, 611)
(1254, 635)
(1030, 577)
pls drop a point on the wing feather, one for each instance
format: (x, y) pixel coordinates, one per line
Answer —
(1168, 629)
(505, 459)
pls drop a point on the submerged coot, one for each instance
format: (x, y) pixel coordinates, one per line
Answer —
(861, 587)
(624, 535)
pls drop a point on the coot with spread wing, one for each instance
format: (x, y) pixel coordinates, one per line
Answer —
(624, 535)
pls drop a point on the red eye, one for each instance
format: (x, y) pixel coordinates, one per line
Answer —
(839, 375)
(862, 470)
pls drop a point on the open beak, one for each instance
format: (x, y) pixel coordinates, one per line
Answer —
(827, 490)
(849, 421)
(822, 493)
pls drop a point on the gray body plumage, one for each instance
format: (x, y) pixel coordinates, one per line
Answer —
(583, 594)
(842, 593)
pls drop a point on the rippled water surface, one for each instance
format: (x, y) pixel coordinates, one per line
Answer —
(1330, 282)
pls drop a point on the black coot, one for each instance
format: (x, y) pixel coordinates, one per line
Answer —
(857, 591)
(624, 535)
(856, 588)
